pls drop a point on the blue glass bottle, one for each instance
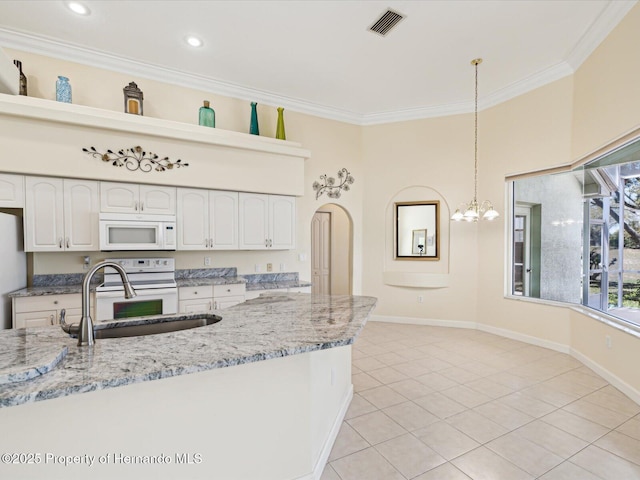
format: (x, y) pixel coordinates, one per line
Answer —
(63, 90)
(207, 116)
(253, 128)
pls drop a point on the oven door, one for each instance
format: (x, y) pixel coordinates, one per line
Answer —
(151, 301)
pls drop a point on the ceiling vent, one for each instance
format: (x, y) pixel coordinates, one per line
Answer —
(386, 22)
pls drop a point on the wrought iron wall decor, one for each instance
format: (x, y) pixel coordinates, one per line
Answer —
(136, 159)
(329, 186)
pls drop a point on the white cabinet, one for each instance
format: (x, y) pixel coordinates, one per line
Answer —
(207, 219)
(251, 294)
(61, 215)
(42, 311)
(267, 222)
(134, 198)
(210, 297)
(11, 191)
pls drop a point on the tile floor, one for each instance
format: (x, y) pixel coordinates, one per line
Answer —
(434, 403)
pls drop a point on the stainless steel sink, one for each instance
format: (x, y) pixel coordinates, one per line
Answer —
(138, 327)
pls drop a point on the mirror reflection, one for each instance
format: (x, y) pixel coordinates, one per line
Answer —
(417, 236)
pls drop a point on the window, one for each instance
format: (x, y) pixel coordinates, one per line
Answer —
(576, 235)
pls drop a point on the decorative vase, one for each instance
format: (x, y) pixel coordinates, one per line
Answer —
(23, 78)
(253, 128)
(280, 126)
(63, 90)
(207, 116)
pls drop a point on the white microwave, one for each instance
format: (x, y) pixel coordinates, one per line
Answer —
(122, 231)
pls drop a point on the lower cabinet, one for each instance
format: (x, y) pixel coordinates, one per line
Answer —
(42, 311)
(210, 297)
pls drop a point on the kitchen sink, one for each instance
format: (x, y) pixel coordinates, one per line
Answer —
(138, 327)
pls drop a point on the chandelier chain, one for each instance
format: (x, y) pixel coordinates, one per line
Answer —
(475, 151)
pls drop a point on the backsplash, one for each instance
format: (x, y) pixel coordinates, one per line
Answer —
(271, 277)
(63, 279)
(206, 272)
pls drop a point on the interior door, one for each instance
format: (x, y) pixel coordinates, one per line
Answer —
(321, 253)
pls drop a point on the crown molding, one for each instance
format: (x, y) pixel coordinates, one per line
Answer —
(595, 34)
(598, 31)
(50, 47)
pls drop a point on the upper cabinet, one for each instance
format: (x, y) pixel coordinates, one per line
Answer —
(134, 198)
(61, 215)
(207, 219)
(267, 221)
(11, 191)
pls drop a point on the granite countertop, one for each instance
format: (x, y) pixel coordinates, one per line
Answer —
(200, 281)
(61, 284)
(276, 325)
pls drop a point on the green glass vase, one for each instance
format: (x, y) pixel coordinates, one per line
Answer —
(207, 116)
(253, 127)
(280, 125)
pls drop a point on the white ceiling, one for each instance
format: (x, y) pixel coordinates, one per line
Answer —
(318, 57)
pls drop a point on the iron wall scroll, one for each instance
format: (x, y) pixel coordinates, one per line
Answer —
(136, 159)
(329, 186)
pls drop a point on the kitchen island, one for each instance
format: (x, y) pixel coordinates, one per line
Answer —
(272, 415)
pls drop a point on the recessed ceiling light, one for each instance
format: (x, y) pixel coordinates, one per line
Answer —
(79, 8)
(194, 41)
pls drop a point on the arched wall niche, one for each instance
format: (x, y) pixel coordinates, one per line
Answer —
(417, 274)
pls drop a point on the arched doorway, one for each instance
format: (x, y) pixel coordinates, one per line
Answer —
(331, 251)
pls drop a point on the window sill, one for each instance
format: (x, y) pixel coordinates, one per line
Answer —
(610, 320)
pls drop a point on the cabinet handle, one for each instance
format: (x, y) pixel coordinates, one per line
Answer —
(270, 243)
(67, 242)
(211, 242)
(55, 302)
(228, 290)
(60, 242)
(142, 206)
(266, 242)
(135, 206)
(215, 305)
(195, 293)
(206, 243)
(51, 318)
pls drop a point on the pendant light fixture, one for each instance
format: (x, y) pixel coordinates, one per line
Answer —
(472, 211)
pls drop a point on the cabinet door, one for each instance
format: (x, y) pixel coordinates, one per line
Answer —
(193, 219)
(197, 305)
(223, 220)
(157, 200)
(44, 215)
(254, 221)
(35, 319)
(81, 210)
(11, 191)
(119, 197)
(227, 302)
(282, 222)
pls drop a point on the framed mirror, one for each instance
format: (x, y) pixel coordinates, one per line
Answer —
(417, 233)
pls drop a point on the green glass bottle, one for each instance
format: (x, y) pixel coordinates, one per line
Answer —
(280, 125)
(253, 126)
(207, 115)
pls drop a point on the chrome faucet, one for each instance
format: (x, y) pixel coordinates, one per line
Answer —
(85, 329)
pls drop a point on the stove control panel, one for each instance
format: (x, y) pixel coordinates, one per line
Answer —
(145, 264)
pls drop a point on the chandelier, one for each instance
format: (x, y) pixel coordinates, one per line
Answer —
(472, 210)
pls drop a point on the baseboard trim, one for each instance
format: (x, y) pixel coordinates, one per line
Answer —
(539, 342)
(614, 380)
(423, 321)
(321, 462)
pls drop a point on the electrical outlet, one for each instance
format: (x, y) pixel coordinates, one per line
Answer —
(607, 339)
(302, 257)
(269, 267)
(258, 268)
(207, 261)
(283, 267)
(86, 262)
(420, 298)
